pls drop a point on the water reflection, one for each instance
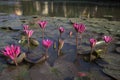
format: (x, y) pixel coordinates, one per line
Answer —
(60, 9)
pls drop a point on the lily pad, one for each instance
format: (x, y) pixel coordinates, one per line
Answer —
(19, 59)
(113, 73)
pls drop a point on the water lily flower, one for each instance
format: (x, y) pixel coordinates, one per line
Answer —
(80, 28)
(92, 44)
(12, 52)
(42, 24)
(75, 25)
(47, 43)
(61, 29)
(29, 33)
(107, 39)
(25, 27)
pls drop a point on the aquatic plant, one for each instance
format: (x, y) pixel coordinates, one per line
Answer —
(80, 28)
(12, 52)
(92, 44)
(60, 45)
(42, 25)
(46, 43)
(29, 34)
(107, 39)
(61, 30)
(25, 27)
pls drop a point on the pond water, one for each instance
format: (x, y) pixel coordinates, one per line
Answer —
(61, 9)
(65, 67)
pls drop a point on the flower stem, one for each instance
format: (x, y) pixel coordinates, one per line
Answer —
(91, 54)
(77, 40)
(15, 62)
(46, 53)
(60, 35)
(106, 48)
(42, 33)
(28, 43)
(80, 38)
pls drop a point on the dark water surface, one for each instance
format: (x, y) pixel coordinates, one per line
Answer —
(61, 9)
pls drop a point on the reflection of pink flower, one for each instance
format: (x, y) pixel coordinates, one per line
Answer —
(25, 27)
(12, 52)
(29, 33)
(93, 42)
(47, 43)
(80, 74)
(42, 24)
(61, 29)
(107, 39)
(79, 27)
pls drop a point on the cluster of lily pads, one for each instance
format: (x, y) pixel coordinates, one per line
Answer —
(13, 51)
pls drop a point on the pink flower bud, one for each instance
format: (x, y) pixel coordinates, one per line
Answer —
(79, 27)
(107, 39)
(61, 29)
(29, 33)
(47, 43)
(25, 27)
(42, 24)
(93, 42)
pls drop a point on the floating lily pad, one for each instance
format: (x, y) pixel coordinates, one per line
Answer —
(113, 73)
(19, 58)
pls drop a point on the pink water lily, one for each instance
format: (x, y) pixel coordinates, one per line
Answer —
(93, 42)
(61, 29)
(47, 43)
(107, 39)
(25, 27)
(12, 52)
(42, 24)
(82, 28)
(29, 33)
(75, 25)
(79, 27)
